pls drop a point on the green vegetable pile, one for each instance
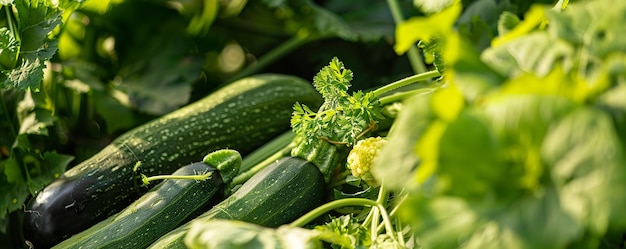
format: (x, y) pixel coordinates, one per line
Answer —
(442, 123)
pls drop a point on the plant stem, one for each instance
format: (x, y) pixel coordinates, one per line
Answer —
(313, 214)
(7, 9)
(406, 81)
(403, 95)
(273, 55)
(201, 177)
(413, 54)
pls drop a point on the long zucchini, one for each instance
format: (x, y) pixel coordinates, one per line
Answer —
(241, 116)
(153, 214)
(163, 208)
(278, 194)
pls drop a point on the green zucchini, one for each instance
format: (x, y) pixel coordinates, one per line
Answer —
(163, 208)
(276, 195)
(241, 116)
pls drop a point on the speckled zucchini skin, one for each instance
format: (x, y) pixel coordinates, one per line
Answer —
(241, 116)
(276, 195)
(155, 213)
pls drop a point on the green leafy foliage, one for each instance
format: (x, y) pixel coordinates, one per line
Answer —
(342, 118)
(345, 232)
(35, 20)
(528, 156)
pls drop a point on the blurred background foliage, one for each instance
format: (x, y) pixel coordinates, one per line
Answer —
(76, 74)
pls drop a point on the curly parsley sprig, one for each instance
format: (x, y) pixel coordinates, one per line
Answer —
(343, 117)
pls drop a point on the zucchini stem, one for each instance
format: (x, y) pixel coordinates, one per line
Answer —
(313, 214)
(198, 177)
(406, 81)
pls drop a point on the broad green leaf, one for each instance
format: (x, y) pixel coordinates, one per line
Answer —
(117, 116)
(32, 114)
(12, 194)
(614, 103)
(156, 80)
(478, 21)
(587, 162)
(581, 40)
(51, 166)
(424, 28)
(367, 20)
(508, 197)
(538, 53)
(36, 20)
(556, 83)
(471, 176)
(447, 102)
(410, 125)
(25, 173)
(13, 172)
(27, 76)
(593, 25)
(464, 68)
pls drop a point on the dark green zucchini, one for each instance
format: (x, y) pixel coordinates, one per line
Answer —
(155, 213)
(276, 195)
(241, 116)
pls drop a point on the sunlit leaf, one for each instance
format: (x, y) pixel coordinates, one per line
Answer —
(532, 19)
(415, 29)
(410, 125)
(587, 160)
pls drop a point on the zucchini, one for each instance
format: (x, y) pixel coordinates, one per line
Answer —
(153, 214)
(278, 194)
(241, 116)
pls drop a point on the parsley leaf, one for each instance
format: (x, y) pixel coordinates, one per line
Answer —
(35, 21)
(342, 118)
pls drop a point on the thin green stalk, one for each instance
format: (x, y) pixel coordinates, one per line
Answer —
(201, 177)
(273, 55)
(393, 211)
(383, 196)
(413, 54)
(403, 95)
(7, 9)
(375, 216)
(406, 81)
(313, 214)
